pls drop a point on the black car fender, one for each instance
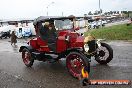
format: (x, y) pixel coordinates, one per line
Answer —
(27, 47)
(73, 50)
(67, 51)
(79, 50)
(76, 49)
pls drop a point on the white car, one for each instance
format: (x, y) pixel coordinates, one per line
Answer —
(96, 24)
(23, 32)
(103, 22)
(93, 25)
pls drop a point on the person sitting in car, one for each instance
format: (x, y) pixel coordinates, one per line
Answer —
(51, 33)
(48, 33)
(44, 31)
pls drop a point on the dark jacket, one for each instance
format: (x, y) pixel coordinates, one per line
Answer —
(13, 38)
(48, 35)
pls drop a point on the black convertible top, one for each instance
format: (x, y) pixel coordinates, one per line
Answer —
(47, 18)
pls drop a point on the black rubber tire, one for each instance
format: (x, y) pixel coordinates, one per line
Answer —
(110, 57)
(83, 58)
(31, 59)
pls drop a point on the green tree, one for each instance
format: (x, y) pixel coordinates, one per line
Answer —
(90, 13)
(96, 12)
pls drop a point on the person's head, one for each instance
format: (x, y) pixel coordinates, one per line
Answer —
(13, 32)
(46, 24)
(50, 26)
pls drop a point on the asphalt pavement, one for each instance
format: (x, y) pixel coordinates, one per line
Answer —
(14, 74)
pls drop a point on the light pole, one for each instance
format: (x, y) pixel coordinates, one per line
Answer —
(100, 14)
(48, 7)
(99, 4)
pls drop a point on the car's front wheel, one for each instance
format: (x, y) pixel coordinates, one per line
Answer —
(27, 58)
(104, 54)
(75, 61)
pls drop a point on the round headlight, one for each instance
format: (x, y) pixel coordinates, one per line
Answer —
(86, 47)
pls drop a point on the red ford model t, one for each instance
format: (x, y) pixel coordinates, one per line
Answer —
(56, 38)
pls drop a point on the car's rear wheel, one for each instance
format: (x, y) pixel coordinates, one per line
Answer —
(75, 61)
(27, 58)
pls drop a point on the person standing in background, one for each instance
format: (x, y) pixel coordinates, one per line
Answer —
(13, 38)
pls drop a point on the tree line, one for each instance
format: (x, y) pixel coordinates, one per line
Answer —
(97, 12)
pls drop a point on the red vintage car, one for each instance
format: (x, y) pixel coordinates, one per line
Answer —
(66, 43)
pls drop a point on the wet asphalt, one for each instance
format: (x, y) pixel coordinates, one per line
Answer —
(14, 74)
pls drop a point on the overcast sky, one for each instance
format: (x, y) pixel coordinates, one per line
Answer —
(34, 8)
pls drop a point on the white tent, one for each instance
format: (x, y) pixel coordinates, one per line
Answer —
(7, 28)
